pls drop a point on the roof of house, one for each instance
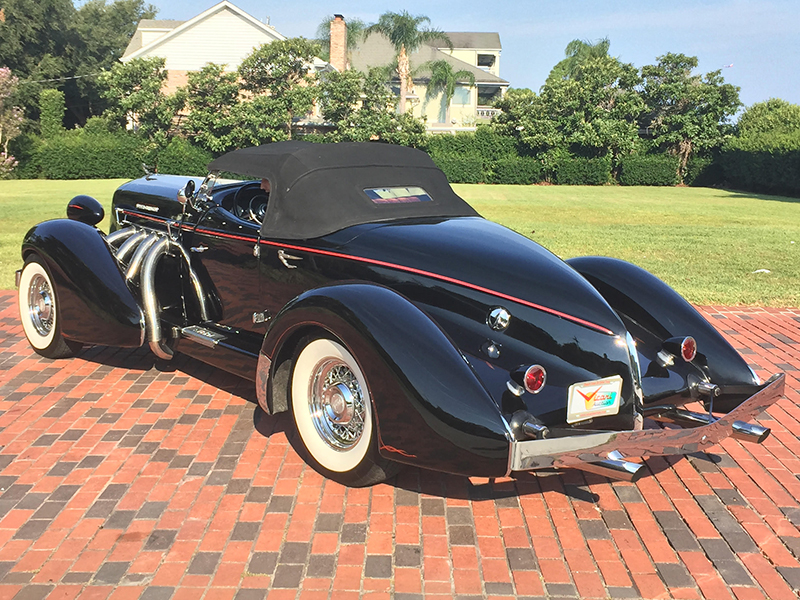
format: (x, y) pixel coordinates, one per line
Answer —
(174, 28)
(377, 51)
(470, 39)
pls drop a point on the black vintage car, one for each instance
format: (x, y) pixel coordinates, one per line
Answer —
(359, 292)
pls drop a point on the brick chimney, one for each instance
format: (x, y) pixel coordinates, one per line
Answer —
(338, 43)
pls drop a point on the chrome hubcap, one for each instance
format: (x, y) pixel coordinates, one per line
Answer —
(40, 305)
(337, 404)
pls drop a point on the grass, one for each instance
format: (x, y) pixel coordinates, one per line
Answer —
(706, 243)
(24, 203)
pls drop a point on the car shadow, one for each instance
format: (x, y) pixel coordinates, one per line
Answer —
(141, 359)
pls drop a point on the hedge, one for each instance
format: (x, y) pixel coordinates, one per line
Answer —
(767, 163)
(76, 155)
(181, 158)
(582, 171)
(484, 143)
(703, 172)
(461, 169)
(657, 169)
(518, 170)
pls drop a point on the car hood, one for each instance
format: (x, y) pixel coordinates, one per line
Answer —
(488, 257)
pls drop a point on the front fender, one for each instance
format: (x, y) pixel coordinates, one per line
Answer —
(431, 409)
(95, 304)
(656, 307)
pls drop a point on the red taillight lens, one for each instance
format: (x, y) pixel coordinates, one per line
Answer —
(535, 376)
(688, 349)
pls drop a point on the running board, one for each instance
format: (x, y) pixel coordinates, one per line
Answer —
(202, 335)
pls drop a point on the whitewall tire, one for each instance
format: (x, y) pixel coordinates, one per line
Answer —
(333, 413)
(39, 313)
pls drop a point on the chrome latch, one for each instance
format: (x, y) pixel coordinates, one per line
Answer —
(284, 257)
(261, 317)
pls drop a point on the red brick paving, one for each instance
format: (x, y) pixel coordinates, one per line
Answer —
(123, 477)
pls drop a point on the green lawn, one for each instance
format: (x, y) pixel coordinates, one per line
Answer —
(704, 242)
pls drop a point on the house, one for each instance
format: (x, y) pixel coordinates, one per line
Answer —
(475, 52)
(224, 34)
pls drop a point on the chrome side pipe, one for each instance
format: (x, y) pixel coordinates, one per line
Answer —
(196, 284)
(152, 317)
(138, 257)
(129, 245)
(120, 235)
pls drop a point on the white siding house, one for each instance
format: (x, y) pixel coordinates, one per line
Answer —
(224, 34)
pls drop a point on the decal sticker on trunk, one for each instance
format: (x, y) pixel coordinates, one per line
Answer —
(591, 399)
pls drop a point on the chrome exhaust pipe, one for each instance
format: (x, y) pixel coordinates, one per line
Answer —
(129, 245)
(614, 467)
(747, 432)
(196, 285)
(120, 235)
(138, 256)
(151, 312)
(744, 432)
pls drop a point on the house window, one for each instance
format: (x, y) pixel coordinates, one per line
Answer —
(487, 94)
(461, 95)
(486, 60)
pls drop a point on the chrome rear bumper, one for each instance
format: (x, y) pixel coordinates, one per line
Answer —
(604, 452)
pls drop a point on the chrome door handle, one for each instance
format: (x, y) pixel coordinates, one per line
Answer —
(199, 249)
(285, 258)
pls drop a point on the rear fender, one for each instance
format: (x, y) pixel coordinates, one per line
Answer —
(95, 304)
(656, 307)
(431, 409)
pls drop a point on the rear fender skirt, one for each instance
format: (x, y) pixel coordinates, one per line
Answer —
(95, 303)
(431, 409)
(632, 291)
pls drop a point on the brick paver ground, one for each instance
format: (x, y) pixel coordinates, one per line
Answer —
(122, 477)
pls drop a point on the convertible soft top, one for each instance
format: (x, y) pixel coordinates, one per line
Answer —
(318, 189)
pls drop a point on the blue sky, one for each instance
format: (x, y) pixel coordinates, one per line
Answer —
(761, 39)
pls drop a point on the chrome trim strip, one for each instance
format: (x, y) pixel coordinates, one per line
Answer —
(262, 380)
(598, 447)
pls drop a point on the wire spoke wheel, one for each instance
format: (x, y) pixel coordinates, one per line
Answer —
(333, 413)
(38, 311)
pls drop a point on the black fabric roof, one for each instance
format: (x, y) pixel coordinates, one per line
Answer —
(318, 189)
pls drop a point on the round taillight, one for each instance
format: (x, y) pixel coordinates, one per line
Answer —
(535, 376)
(688, 349)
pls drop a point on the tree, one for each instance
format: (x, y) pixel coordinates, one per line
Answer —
(10, 119)
(686, 112)
(405, 35)
(211, 99)
(355, 32)
(577, 53)
(136, 100)
(43, 40)
(444, 80)
(284, 71)
(362, 108)
(52, 109)
(774, 116)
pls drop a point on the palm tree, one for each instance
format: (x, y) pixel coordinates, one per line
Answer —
(355, 31)
(444, 79)
(404, 33)
(578, 52)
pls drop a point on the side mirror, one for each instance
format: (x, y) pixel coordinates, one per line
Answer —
(86, 210)
(187, 192)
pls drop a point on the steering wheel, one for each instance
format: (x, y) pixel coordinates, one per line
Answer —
(241, 206)
(258, 207)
